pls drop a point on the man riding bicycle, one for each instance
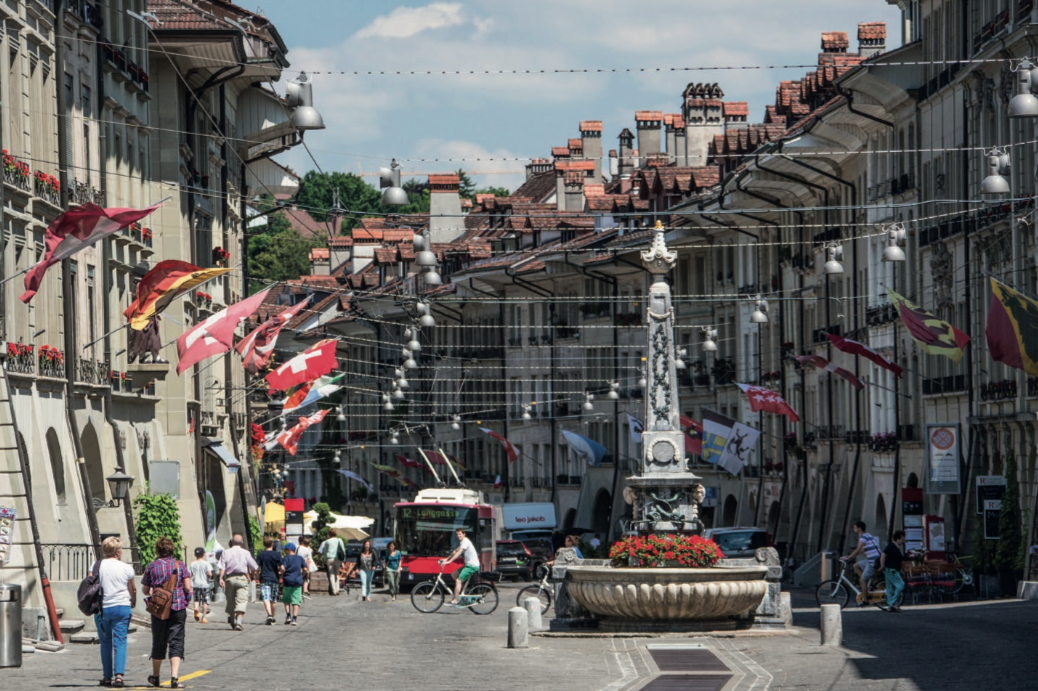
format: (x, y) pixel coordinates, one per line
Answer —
(869, 547)
(471, 563)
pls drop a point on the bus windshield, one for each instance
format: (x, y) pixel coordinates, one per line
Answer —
(428, 531)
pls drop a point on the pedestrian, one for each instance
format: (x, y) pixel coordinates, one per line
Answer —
(307, 553)
(270, 577)
(573, 542)
(596, 541)
(167, 635)
(235, 565)
(201, 582)
(333, 552)
(367, 560)
(113, 621)
(394, 559)
(293, 569)
(891, 560)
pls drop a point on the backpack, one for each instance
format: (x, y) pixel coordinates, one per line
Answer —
(89, 595)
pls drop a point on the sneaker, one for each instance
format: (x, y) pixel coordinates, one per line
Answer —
(288, 621)
(270, 620)
(863, 603)
(204, 620)
(295, 622)
(198, 617)
(306, 596)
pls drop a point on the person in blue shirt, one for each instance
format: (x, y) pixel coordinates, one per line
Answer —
(269, 561)
(293, 568)
(393, 559)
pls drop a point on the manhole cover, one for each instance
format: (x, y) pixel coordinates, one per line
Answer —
(688, 682)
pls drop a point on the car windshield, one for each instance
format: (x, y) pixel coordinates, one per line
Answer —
(740, 541)
(510, 549)
(425, 531)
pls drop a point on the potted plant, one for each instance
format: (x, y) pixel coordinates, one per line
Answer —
(220, 256)
(667, 550)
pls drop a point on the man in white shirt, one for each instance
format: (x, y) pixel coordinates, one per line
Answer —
(333, 552)
(471, 563)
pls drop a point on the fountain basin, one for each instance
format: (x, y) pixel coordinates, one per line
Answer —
(669, 599)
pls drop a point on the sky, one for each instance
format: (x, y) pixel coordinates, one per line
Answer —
(371, 119)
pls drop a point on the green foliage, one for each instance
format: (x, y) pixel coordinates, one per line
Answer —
(319, 527)
(255, 533)
(496, 191)
(1010, 536)
(317, 196)
(155, 516)
(279, 253)
(467, 187)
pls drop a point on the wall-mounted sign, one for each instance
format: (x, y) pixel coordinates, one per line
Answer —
(711, 496)
(989, 488)
(294, 509)
(992, 509)
(942, 462)
(7, 516)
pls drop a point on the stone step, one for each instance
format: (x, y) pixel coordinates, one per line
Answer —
(72, 625)
(91, 637)
(60, 611)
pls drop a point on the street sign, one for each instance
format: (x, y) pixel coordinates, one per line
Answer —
(992, 509)
(989, 487)
(294, 509)
(942, 467)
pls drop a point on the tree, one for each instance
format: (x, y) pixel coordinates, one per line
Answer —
(279, 253)
(1009, 553)
(359, 199)
(498, 192)
(319, 528)
(466, 187)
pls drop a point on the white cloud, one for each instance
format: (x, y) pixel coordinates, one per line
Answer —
(486, 166)
(405, 22)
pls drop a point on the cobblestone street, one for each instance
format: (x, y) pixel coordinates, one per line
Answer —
(342, 642)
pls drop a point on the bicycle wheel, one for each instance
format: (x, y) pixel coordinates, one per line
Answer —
(538, 592)
(485, 598)
(832, 593)
(427, 597)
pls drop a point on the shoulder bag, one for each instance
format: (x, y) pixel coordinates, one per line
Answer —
(161, 601)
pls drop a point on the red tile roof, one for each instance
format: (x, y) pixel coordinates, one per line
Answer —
(835, 41)
(319, 254)
(646, 115)
(444, 182)
(343, 242)
(590, 125)
(560, 151)
(576, 144)
(538, 188)
(565, 166)
(736, 108)
(872, 31)
(594, 189)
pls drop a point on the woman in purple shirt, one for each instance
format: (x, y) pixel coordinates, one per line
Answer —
(168, 635)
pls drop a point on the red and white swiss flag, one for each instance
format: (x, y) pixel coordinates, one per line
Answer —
(290, 437)
(768, 401)
(513, 453)
(216, 334)
(78, 229)
(256, 348)
(846, 345)
(309, 365)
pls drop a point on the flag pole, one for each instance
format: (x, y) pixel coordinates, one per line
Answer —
(20, 273)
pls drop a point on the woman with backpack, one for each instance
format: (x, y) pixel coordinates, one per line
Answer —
(168, 583)
(113, 621)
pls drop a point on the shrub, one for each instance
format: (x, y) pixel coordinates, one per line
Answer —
(660, 550)
(155, 516)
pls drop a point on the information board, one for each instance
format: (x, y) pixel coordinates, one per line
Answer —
(992, 509)
(989, 487)
(912, 516)
(294, 509)
(942, 467)
(7, 516)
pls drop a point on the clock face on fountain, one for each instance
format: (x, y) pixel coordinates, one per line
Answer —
(663, 452)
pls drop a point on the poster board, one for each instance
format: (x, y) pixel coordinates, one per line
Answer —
(992, 510)
(7, 516)
(934, 536)
(943, 458)
(989, 488)
(912, 516)
(294, 509)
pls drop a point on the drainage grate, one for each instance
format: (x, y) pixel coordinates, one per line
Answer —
(691, 658)
(688, 682)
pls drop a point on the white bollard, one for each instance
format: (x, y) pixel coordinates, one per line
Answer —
(832, 625)
(518, 628)
(786, 603)
(533, 611)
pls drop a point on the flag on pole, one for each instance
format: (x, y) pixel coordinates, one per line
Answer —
(215, 335)
(307, 366)
(821, 363)
(312, 392)
(395, 474)
(1012, 328)
(256, 348)
(717, 429)
(768, 401)
(510, 450)
(587, 449)
(162, 285)
(637, 427)
(290, 437)
(77, 229)
(741, 442)
(353, 476)
(693, 435)
(409, 463)
(930, 333)
(497, 483)
(846, 345)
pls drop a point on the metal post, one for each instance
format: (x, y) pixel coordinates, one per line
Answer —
(829, 412)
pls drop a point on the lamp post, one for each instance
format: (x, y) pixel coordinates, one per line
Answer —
(119, 484)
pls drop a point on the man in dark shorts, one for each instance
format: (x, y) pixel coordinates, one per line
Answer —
(270, 577)
(293, 568)
(891, 560)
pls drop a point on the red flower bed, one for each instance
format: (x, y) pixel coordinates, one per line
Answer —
(664, 550)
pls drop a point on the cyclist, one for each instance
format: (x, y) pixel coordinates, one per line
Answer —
(471, 563)
(869, 547)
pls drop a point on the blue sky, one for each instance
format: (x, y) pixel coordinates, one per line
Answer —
(373, 118)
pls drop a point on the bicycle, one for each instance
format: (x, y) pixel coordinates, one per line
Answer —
(963, 575)
(837, 591)
(479, 597)
(541, 591)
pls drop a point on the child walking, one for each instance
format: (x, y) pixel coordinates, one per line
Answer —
(201, 581)
(293, 568)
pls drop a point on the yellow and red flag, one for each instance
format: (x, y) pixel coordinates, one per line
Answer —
(933, 335)
(1012, 328)
(162, 285)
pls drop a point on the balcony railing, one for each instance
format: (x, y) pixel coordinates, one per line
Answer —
(1023, 10)
(834, 432)
(68, 563)
(876, 316)
(46, 187)
(16, 173)
(998, 391)
(91, 372)
(83, 193)
(939, 385)
(51, 362)
(21, 358)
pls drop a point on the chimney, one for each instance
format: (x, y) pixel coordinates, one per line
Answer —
(573, 182)
(591, 136)
(648, 123)
(872, 38)
(680, 146)
(703, 110)
(445, 221)
(560, 153)
(626, 152)
(614, 164)
(736, 114)
(576, 148)
(835, 42)
(537, 166)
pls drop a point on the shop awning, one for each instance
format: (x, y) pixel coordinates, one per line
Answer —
(216, 447)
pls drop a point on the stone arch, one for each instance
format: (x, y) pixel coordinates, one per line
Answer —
(57, 466)
(731, 511)
(94, 463)
(913, 480)
(879, 523)
(601, 512)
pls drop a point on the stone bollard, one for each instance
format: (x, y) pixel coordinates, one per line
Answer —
(518, 628)
(832, 625)
(787, 609)
(533, 611)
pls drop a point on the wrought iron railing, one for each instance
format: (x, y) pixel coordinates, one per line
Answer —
(68, 563)
(91, 372)
(83, 193)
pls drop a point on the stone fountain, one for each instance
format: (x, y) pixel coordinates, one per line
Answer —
(665, 496)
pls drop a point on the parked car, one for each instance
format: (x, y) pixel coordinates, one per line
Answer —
(739, 543)
(514, 559)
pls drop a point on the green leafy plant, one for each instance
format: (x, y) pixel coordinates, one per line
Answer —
(319, 527)
(155, 516)
(255, 533)
(662, 550)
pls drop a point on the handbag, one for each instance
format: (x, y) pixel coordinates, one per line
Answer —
(89, 595)
(161, 601)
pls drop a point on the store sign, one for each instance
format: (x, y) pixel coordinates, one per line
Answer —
(942, 467)
(529, 516)
(989, 487)
(992, 510)
(7, 516)
(294, 509)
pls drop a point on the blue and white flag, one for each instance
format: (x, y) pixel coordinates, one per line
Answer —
(717, 429)
(591, 451)
(353, 476)
(637, 427)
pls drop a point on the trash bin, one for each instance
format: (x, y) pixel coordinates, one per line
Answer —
(10, 626)
(826, 567)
